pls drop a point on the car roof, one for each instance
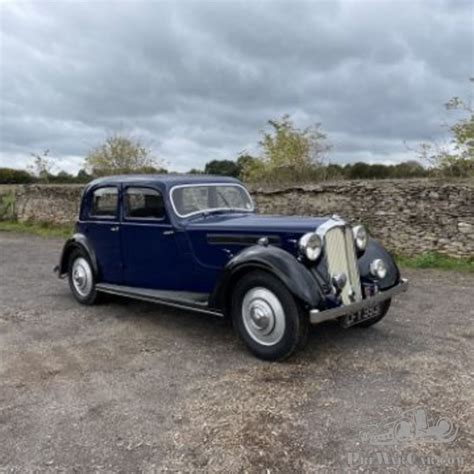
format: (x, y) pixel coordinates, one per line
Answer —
(166, 180)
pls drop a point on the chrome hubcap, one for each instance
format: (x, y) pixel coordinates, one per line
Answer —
(82, 276)
(263, 316)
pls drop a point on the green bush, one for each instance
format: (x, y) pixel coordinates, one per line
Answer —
(14, 176)
(7, 206)
(222, 167)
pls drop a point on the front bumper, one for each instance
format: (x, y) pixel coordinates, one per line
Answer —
(316, 316)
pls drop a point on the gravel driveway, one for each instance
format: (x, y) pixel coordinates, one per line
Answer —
(129, 386)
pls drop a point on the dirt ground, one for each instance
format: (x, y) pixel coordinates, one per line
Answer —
(128, 386)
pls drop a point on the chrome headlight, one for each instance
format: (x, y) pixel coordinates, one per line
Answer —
(378, 268)
(310, 246)
(360, 237)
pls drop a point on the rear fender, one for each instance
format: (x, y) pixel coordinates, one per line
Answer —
(294, 275)
(77, 241)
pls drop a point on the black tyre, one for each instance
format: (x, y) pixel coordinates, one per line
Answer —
(379, 313)
(267, 317)
(81, 278)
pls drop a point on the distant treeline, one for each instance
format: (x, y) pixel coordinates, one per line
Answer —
(321, 172)
(360, 170)
(16, 176)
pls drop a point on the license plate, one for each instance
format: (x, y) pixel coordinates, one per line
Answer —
(360, 316)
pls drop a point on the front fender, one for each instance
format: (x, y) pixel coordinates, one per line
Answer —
(295, 275)
(76, 241)
(376, 250)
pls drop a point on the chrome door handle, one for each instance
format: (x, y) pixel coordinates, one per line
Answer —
(115, 228)
(168, 232)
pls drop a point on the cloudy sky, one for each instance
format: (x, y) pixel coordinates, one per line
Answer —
(197, 80)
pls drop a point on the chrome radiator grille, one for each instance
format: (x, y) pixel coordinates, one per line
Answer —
(341, 258)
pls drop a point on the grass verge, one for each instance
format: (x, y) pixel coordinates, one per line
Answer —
(42, 229)
(437, 261)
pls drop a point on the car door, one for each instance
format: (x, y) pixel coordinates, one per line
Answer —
(102, 228)
(149, 246)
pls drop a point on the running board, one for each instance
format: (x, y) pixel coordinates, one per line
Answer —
(177, 299)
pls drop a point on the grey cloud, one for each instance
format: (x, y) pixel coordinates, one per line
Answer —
(198, 79)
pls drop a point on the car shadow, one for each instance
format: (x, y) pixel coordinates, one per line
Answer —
(171, 317)
(323, 339)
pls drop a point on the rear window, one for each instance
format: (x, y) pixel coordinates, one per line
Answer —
(104, 202)
(143, 203)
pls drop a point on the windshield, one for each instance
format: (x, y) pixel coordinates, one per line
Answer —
(194, 199)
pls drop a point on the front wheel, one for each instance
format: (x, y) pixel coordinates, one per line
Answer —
(267, 317)
(81, 278)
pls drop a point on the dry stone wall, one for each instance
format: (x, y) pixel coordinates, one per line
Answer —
(408, 216)
(44, 203)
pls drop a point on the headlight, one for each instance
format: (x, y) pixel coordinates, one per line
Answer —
(360, 237)
(378, 268)
(310, 246)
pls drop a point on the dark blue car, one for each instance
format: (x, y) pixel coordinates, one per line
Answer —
(196, 242)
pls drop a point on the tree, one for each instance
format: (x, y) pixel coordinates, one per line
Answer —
(61, 177)
(222, 167)
(64, 175)
(121, 154)
(457, 157)
(83, 176)
(245, 161)
(409, 169)
(288, 153)
(334, 171)
(359, 170)
(42, 167)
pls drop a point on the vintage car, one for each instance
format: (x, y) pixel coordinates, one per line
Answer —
(196, 242)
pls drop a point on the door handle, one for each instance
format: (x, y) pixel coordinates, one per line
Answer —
(168, 232)
(115, 228)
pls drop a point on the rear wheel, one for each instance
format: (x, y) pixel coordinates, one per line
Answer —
(267, 317)
(379, 311)
(81, 278)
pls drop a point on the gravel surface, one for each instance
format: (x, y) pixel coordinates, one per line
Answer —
(128, 386)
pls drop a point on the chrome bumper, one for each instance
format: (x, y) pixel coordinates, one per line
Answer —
(316, 316)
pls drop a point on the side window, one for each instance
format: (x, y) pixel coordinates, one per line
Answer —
(104, 202)
(143, 203)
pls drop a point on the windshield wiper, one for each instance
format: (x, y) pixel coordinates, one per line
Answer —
(226, 202)
(207, 212)
(221, 210)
